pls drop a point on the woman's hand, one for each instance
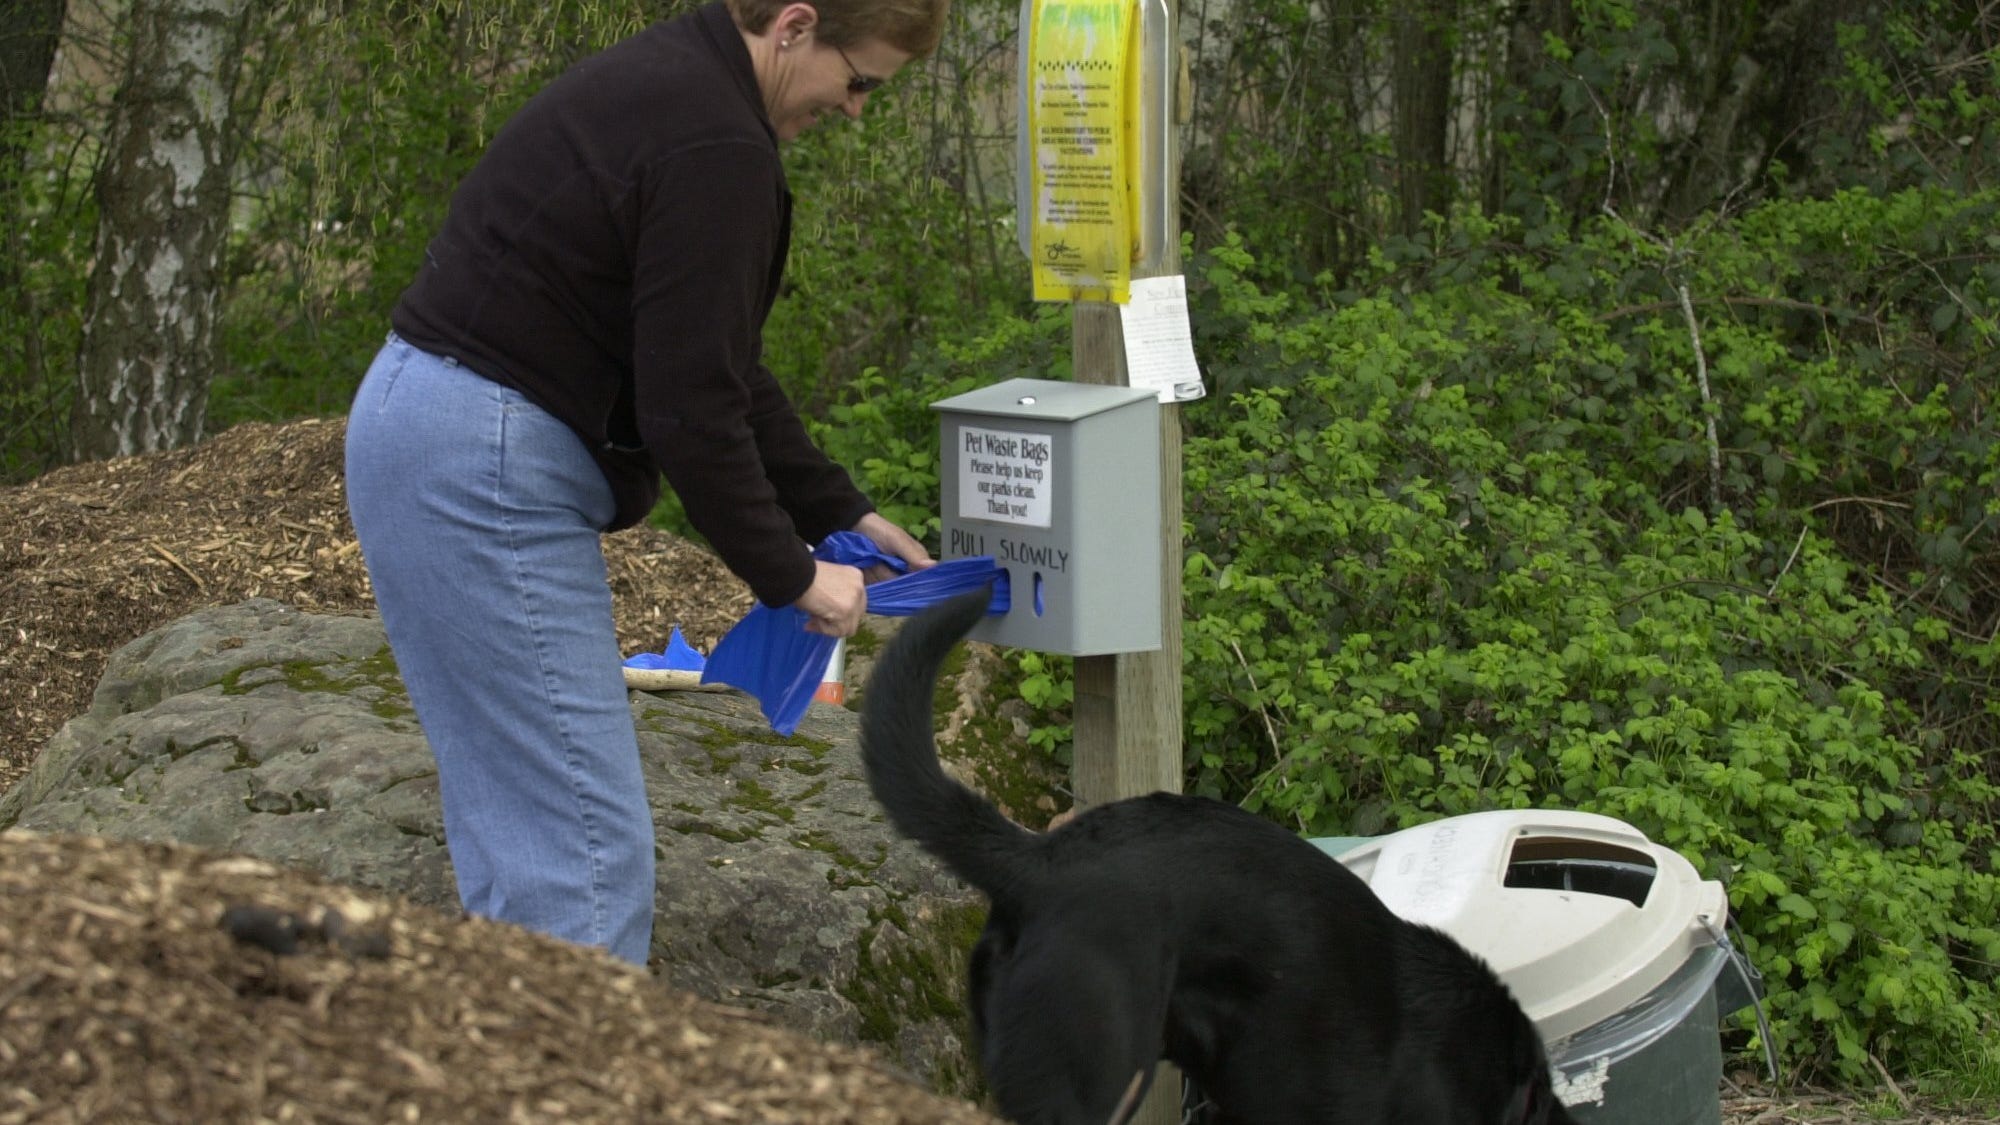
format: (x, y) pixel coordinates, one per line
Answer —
(895, 541)
(835, 602)
(838, 599)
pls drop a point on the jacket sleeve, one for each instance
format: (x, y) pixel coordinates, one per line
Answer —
(818, 494)
(710, 231)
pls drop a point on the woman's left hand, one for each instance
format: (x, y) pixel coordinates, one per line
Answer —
(895, 541)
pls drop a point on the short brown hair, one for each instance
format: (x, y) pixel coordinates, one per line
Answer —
(911, 26)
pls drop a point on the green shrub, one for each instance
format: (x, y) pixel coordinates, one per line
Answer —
(1454, 546)
(1457, 559)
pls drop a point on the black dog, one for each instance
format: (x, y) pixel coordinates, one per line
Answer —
(1187, 929)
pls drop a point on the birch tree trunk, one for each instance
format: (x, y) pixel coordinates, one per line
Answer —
(163, 194)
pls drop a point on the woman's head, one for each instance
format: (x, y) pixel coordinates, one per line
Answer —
(911, 26)
(807, 70)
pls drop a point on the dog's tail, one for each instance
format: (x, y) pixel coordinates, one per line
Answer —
(899, 751)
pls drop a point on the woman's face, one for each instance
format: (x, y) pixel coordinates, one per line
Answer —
(815, 78)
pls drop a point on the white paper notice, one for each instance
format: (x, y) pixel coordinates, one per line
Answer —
(1159, 348)
(1005, 476)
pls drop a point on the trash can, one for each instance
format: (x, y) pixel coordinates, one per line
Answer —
(1613, 945)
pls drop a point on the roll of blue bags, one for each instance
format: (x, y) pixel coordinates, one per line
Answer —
(770, 655)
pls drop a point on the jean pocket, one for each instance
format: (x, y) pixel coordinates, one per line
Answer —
(385, 371)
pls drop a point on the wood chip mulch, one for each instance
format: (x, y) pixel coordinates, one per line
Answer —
(123, 998)
(94, 556)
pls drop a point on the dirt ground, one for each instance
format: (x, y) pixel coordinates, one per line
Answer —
(123, 999)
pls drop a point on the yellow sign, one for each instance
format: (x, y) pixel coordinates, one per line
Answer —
(1081, 120)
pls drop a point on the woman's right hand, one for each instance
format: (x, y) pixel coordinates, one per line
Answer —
(835, 602)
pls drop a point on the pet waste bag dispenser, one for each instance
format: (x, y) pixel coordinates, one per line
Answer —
(1059, 483)
(1614, 945)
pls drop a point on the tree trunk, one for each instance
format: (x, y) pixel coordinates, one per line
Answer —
(29, 30)
(163, 193)
(1422, 76)
(1800, 47)
(1525, 115)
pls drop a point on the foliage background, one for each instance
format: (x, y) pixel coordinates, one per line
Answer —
(1601, 404)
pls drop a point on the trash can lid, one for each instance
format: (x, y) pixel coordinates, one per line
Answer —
(1580, 914)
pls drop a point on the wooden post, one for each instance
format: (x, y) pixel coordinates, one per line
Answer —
(1128, 705)
(1127, 714)
(1127, 717)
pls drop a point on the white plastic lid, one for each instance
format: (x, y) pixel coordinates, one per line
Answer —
(1568, 939)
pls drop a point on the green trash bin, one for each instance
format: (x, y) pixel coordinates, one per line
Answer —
(1613, 944)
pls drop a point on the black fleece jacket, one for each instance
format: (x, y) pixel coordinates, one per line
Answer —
(613, 256)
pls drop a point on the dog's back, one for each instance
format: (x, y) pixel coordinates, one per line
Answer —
(1189, 929)
(1465, 1040)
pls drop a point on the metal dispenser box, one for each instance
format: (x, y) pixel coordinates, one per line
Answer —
(1060, 483)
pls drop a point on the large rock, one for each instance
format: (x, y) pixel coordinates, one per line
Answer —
(259, 729)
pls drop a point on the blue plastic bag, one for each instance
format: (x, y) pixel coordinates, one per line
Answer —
(919, 590)
(770, 655)
(679, 656)
(909, 593)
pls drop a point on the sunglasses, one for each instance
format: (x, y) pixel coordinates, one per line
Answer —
(857, 82)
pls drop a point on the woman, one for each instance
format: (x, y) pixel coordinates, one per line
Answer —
(586, 321)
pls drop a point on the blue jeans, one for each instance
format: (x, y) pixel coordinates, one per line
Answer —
(479, 516)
